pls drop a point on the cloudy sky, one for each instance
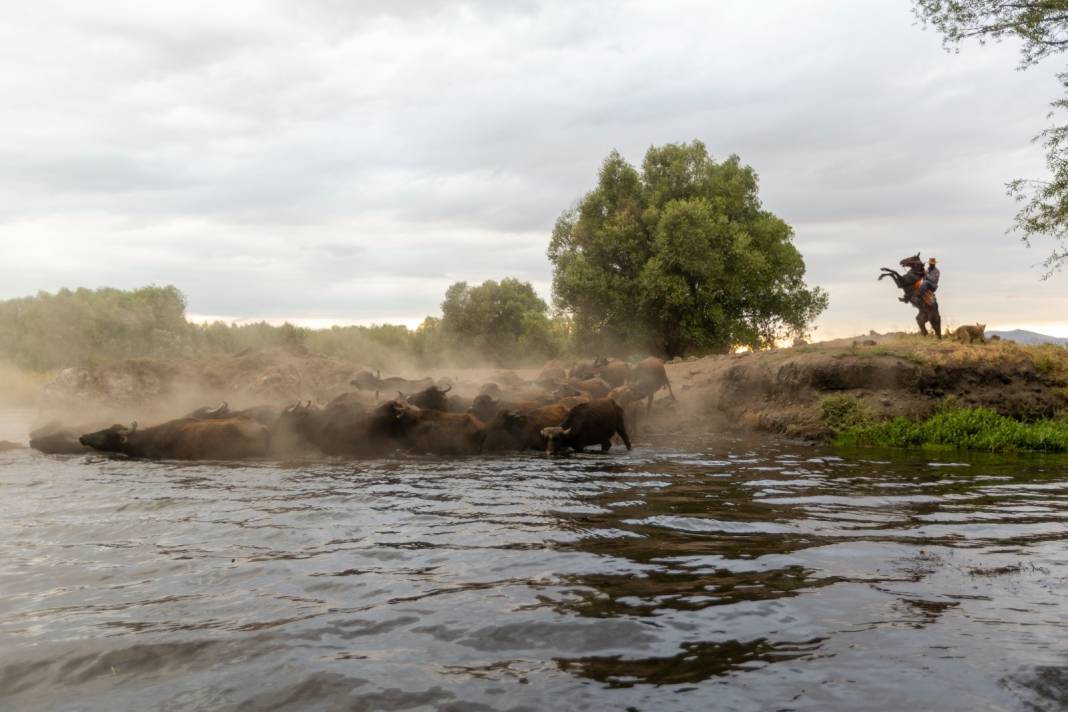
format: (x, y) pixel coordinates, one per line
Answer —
(344, 162)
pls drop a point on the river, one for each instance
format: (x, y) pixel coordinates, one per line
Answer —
(721, 575)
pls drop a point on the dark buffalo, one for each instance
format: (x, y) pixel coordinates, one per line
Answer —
(648, 377)
(512, 430)
(431, 397)
(55, 439)
(587, 424)
(346, 428)
(435, 432)
(185, 439)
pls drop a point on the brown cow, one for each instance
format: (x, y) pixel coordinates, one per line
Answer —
(512, 430)
(613, 371)
(587, 424)
(648, 377)
(435, 432)
(185, 439)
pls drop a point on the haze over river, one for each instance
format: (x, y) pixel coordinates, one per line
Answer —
(721, 574)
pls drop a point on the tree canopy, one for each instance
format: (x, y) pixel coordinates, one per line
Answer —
(501, 320)
(1042, 27)
(679, 256)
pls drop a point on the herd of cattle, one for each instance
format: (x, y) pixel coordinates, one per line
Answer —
(560, 411)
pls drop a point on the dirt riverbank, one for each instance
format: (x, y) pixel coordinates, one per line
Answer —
(779, 391)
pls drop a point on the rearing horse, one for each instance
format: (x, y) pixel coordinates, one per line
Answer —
(927, 306)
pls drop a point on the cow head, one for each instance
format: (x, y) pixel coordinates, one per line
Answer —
(111, 439)
(431, 398)
(484, 407)
(557, 439)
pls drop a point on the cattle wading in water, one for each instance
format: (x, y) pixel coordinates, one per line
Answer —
(511, 430)
(185, 439)
(587, 424)
(435, 432)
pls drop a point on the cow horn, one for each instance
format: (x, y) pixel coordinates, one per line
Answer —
(446, 389)
(401, 396)
(133, 427)
(307, 405)
(566, 432)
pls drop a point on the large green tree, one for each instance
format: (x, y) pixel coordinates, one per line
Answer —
(503, 321)
(1042, 28)
(679, 256)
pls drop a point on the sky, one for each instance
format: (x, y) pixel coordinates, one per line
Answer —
(344, 162)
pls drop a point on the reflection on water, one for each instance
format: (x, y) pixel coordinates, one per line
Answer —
(716, 576)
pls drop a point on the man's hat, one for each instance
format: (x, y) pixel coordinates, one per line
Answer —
(932, 261)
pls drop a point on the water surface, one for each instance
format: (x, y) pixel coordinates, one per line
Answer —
(719, 574)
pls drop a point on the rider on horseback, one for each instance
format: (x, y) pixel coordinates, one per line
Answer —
(930, 281)
(919, 287)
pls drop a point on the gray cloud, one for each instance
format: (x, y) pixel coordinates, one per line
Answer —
(348, 160)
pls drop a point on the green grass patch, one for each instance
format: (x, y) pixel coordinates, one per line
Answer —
(964, 429)
(843, 413)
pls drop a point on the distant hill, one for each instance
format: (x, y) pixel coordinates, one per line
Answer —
(1022, 336)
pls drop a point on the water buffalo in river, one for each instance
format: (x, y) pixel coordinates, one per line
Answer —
(185, 439)
(435, 432)
(512, 430)
(592, 423)
(345, 427)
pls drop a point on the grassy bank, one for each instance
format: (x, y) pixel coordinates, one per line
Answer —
(951, 428)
